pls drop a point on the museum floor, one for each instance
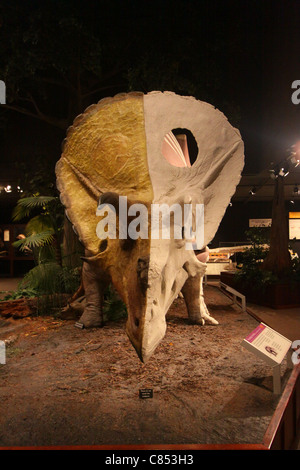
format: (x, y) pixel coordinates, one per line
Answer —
(74, 382)
(284, 321)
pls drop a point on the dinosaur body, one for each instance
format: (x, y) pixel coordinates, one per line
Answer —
(115, 148)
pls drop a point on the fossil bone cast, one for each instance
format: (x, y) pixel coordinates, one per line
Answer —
(124, 148)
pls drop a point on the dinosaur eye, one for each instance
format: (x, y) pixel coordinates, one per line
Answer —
(102, 246)
(127, 244)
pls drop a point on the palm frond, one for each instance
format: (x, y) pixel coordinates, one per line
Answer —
(26, 205)
(35, 240)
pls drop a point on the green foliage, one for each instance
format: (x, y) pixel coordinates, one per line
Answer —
(20, 293)
(251, 258)
(296, 269)
(35, 240)
(44, 229)
(27, 205)
(258, 236)
(250, 272)
(50, 278)
(249, 268)
(47, 213)
(114, 308)
(49, 283)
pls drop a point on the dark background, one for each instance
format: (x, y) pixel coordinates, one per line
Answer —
(58, 57)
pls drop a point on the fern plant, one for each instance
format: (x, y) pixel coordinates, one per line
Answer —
(49, 279)
(50, 282)
(44, 229)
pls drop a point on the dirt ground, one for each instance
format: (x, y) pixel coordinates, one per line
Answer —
(65, 386)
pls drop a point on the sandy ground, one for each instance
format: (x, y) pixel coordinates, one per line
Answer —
(65, 386)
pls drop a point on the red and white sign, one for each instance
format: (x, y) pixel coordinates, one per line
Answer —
(267, 344)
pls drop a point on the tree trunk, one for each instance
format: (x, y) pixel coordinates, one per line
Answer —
(72, 248)
(57, 250)
(278, 260)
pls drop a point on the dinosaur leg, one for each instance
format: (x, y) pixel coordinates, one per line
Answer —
(193, 295)
(94, 287)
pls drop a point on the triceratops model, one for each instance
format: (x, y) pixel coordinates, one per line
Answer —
(124, 146)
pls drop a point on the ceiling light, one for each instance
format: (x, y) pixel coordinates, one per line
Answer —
(273, 175)
(281, 172)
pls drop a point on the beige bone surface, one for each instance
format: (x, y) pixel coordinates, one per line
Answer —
(116, 147)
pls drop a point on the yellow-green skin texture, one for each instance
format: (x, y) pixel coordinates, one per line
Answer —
(115, 147)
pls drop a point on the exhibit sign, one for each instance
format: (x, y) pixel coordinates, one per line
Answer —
(260, 222)
(146, 393)
(267, 344)
(294, 229)
(294, 225)
(270, 346)
(6, 236)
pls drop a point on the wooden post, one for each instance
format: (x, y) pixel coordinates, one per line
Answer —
(278, 260)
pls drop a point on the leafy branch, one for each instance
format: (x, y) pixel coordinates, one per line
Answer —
(26, 205)
(35, 240)
(44, 228)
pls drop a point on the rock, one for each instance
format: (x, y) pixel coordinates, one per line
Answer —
(19, 308)
(11, 339)
(74, 309)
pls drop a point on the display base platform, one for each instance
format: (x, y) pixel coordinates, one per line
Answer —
(68, 388)
(277, 296)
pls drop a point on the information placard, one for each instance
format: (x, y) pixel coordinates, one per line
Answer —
(268, 344)
(294, 229)
(260, 222)
(146, 393)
